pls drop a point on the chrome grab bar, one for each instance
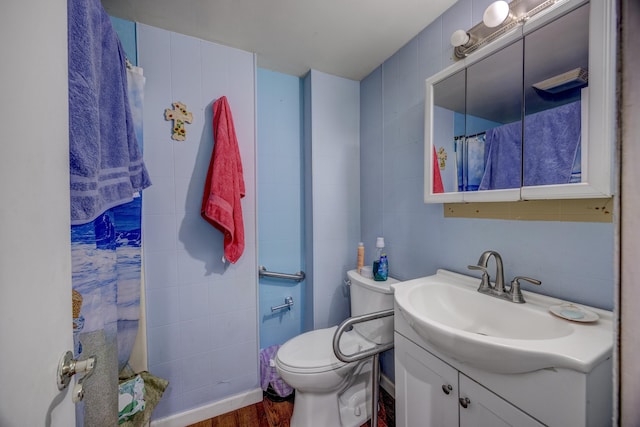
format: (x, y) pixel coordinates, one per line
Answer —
(263, 272)
(372, 352)
(365, 353)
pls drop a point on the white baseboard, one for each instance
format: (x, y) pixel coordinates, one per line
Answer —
(232, 403)
(211, 410)
(387, 385)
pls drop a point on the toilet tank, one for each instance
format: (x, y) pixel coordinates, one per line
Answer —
(369, 296)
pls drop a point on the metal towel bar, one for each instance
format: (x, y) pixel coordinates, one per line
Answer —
(263, 272)
(371, 352)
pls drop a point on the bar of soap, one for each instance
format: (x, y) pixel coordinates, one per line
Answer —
(572, 314)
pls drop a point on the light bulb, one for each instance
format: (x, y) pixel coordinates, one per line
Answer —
(496, 13)
(459, 38)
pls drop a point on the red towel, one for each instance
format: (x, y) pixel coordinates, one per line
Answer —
(437, 178)
(224, 186)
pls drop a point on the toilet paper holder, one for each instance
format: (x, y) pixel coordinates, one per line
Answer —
(288, 303)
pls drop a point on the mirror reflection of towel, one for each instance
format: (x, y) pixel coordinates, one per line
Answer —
(437, 178)
(551, 142)
(551, 150)
(502, 157)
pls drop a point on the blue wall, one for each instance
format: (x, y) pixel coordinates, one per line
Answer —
(332, 178)
(280, 203)
(202, 329)
(573, 260)
(126, 31)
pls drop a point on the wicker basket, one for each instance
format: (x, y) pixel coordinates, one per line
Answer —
(76, 302)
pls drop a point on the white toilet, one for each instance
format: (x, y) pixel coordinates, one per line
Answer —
(330, 392)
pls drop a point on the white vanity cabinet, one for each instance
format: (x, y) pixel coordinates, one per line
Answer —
(554, 397)
(431, 393)
(463, 358)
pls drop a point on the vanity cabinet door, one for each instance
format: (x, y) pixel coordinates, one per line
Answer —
(529, 116)
(569, 84)
(426, 388)
(493, 136)
(431, 393)
(486, 409)
(445, 110)
(555, 127)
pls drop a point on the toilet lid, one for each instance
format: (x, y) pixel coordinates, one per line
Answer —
(313, 351)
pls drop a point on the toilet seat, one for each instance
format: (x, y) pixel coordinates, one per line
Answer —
(312, 352)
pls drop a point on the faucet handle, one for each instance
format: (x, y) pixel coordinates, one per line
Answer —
(486, 280)
(516, 293)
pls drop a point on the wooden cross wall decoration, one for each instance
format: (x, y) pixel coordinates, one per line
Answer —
(180, 116)
(442, 158)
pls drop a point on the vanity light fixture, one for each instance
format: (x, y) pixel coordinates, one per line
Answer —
(499, 18)
(460, 38)
(496, 14)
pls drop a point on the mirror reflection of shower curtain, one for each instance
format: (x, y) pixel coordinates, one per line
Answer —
(470, 161)
(458, 143)
(106, 281)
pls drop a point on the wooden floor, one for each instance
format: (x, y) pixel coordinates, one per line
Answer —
(278, 414)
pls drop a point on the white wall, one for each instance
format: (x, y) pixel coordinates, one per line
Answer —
(201, 315)
(334, 148)
(35, 254)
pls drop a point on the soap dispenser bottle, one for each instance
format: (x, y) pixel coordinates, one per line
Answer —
(380, 262)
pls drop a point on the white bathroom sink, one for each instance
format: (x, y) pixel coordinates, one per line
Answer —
(497, 335)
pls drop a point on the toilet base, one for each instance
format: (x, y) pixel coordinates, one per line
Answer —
(350, 408)
(315, 410)
(355, 401)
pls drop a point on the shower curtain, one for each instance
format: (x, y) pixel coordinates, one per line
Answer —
(469, 161)
(106, 280)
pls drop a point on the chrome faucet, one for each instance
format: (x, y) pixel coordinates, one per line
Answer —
(513, 294)
(498, 288)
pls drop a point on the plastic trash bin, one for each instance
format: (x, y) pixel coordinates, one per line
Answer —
(274, 387)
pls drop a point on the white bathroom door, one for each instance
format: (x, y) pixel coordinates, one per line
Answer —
(35, 255)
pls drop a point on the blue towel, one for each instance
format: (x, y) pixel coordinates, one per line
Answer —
(552, 141)
(503, 157)
(105, 160)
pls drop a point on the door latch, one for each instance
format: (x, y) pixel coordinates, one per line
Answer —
(68, 367)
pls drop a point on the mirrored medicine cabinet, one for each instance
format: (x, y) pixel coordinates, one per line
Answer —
(529, 116)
